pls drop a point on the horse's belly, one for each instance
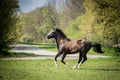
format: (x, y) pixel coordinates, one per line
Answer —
(73, 51)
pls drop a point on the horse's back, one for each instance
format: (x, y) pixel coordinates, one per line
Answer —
(73, 46)
(74, 43)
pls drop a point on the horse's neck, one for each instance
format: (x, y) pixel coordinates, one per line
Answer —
(60, 40)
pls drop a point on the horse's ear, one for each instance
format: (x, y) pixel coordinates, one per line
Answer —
(57, 29)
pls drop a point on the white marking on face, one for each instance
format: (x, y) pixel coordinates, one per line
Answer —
(51, 32)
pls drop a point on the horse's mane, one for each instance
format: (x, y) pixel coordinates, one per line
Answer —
(61, 32)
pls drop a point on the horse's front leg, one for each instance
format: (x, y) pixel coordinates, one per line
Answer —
(63, 57)
(58, 54)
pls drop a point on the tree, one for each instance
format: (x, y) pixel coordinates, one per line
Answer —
(74, 8)
(8, 17)
(108, 16)
(35, 25)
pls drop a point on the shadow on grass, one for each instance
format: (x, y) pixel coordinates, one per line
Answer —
(99, 69)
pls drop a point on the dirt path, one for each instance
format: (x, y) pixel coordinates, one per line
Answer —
(32, 49)
(44, 54)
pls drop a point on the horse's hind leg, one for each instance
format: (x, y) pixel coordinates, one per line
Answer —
(79, 61)
(84, 59)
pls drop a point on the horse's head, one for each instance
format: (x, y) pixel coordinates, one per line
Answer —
(53, 34)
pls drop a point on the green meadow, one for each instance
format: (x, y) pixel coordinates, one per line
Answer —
(92, 69)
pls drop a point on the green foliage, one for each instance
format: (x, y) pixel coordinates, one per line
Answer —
(93, 69)
(37, 24)
(100, 23)
(108, 16)
(8, 17)
(80, 27)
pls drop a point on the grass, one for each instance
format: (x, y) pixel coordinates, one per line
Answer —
(92, 69)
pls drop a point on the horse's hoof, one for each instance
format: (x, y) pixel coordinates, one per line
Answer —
(74, 67)
(56, 65)
(67, 64)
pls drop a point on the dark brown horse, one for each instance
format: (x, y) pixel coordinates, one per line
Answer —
(66, 46)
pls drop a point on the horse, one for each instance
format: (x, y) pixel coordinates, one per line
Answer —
(66, 46)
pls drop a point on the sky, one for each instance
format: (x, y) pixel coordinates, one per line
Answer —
(29, 5)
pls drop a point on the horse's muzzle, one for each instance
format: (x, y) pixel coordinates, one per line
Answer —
(47, 37)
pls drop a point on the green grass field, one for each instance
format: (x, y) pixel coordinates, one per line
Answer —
(92, 69)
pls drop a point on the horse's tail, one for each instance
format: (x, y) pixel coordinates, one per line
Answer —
(97, 47)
